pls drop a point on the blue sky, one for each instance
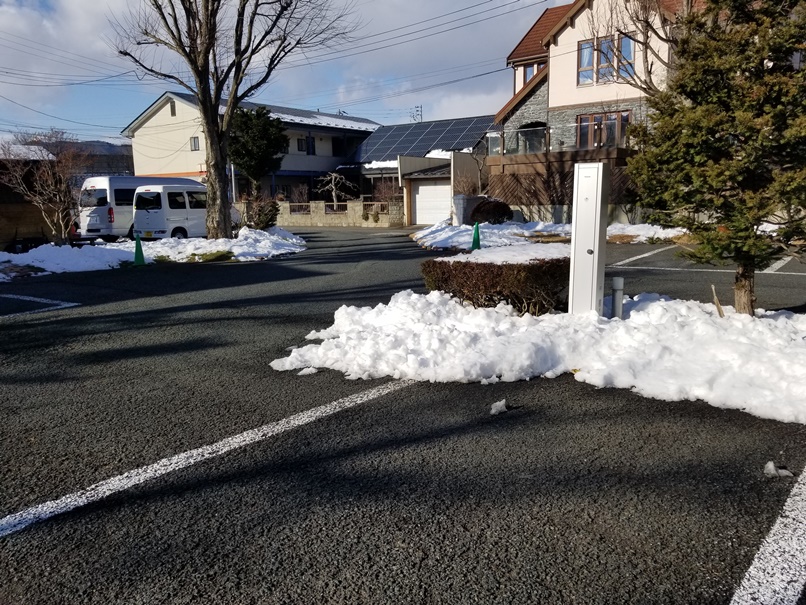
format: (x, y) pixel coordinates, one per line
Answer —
(59, 69)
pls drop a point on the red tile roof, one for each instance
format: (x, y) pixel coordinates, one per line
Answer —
(531, 46)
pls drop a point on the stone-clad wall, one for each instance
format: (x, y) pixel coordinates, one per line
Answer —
(353, 217)
(533, 109)
(563, 120)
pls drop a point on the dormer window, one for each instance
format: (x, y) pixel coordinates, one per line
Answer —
(529, 72)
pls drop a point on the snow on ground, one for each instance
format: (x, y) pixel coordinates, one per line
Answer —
(665, 349)
(512, 254)
(444, 235)
(250, 245)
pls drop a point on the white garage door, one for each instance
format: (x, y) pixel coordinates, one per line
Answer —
(432, 202)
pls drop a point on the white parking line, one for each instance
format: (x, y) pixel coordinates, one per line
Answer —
(778, 573)
(640, 256)
(99, 491)
(697, 270)
(55, 304)
(773, 268)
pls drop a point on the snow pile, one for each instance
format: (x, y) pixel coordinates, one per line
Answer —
(62, 259)
(444, 235)
(642, 233)
(664, 349)
(250, 245)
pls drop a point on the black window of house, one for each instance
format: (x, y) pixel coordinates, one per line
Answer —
(602, 130)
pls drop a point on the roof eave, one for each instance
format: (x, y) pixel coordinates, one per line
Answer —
(527, 59)
(573, 11)
(521, 94)
(129, 130)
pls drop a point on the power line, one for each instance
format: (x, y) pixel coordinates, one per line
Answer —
(57, 117)
(316, 59)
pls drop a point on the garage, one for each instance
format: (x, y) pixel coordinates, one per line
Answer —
(431, 201)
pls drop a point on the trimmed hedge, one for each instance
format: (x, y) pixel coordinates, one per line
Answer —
(536, 287)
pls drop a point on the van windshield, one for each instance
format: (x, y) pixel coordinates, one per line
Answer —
(148, 200)
(92, 198)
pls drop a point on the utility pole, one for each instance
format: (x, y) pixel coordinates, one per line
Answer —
(417, 113)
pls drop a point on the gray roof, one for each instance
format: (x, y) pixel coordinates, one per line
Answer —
(290, 116)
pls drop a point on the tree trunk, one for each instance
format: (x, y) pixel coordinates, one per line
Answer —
(744, 289)
(219, 223)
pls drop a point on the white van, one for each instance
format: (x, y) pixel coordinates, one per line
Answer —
(105, 204)
(170, 211)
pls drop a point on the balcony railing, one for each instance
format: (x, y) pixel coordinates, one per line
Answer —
(299, 208)
(592, 134)
(335, 208)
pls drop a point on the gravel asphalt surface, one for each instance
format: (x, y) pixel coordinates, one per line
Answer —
(576, 495)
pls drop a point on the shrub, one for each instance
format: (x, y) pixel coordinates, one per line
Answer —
(536, 287)
(263, 212)
(491, 211)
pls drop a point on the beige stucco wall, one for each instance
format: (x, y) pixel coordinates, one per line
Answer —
(162, 145)
(353, 217)
(563, 89)
(520, 75)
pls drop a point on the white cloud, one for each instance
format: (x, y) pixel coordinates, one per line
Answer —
(71, 38)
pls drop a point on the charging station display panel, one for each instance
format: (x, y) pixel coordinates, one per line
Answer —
(588, 237)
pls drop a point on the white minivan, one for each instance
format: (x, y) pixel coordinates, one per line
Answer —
(105, 204)
(170, 211)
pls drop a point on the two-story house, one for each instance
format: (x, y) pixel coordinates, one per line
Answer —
(574, 96)
(167, 140)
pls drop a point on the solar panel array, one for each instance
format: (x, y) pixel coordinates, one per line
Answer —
(419, 138)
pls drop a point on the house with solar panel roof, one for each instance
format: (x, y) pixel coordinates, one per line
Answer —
(429, 162)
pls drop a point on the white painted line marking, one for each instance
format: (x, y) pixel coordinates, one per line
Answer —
(55, 304)
(696, 270)
(778, 573)
(17, 521)
(777, 265)
(629, 260)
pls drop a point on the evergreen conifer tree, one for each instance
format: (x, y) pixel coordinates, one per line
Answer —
(256, 145)
(724, 152)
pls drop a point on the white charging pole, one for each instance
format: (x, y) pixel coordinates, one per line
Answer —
(588, 237)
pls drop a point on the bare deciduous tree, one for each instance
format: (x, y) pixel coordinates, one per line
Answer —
(223, 52)
(50, 180)
(336, 186)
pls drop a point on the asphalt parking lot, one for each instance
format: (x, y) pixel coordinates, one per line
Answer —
(409, 495)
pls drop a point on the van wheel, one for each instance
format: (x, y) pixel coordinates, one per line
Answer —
(179, 233)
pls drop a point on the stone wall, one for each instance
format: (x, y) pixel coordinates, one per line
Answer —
(563, 120)
(533, 109)
(319, 216)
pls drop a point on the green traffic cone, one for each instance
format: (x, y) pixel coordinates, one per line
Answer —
(139, 259)
(476, 245)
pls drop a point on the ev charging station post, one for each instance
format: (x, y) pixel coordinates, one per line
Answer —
(588, 237)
